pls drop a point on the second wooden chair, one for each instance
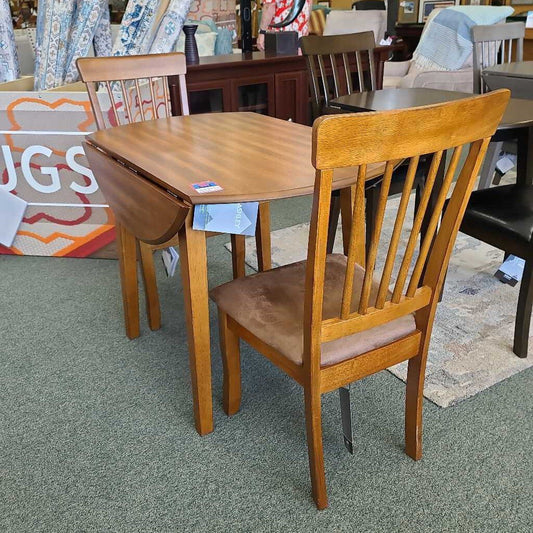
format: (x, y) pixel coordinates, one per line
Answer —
(332, 319)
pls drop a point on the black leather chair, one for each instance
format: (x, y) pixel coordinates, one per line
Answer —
(503, 217)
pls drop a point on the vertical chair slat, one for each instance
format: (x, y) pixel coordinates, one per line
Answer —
(139, 99)
(183, 95)
(395, 239)
(347, 74)
(432, 226)
(417, 224)
(354, 247)
(315, 89)
(126, 100)
(360, 76)
(324, 79)
(374, 243)
(372, 66)
(336, 87)
(153, 96)
(166, 96)
(93, 97)
(112, 101)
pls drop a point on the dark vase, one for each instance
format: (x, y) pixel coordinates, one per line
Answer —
(191, 48)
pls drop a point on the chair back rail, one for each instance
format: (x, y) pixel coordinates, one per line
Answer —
(330, 59)
(493, 45)
(122, 78)
(465, 125)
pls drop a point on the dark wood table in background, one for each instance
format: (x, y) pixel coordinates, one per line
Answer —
(517, 121)
(516, 76)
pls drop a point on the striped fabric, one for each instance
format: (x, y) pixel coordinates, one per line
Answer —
(446, 42)
(9, 65)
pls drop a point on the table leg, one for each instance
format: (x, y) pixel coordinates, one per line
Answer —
(238, 252)
(262, 237)
(127, 256)
(524, 167)
(193, 259)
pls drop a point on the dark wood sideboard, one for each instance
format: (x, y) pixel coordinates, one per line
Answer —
(276, 85)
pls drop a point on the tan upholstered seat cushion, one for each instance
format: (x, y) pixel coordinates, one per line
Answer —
(270, 305)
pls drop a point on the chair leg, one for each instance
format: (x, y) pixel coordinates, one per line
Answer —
(262, 238)
(238, 255)
(150, 286)
(523, 312)
(334, 213)
(414, 396)
(231, 361)
(489, 165)
(128, 280)
(313, 422)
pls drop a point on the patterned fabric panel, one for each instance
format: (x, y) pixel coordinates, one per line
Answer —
(135, 31)
(54, 21)
(9, 66)
(83, 28)
(167, 33)
(103, 43)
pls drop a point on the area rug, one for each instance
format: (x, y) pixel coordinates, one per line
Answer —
(471, 345)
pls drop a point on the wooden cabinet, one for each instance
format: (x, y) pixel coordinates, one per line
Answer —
(271, 85)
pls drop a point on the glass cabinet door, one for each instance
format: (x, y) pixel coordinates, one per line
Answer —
(255, 95)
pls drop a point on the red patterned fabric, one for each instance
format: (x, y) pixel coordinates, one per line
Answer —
(283, 7)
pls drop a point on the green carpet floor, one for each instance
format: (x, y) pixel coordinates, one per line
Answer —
(96, 431)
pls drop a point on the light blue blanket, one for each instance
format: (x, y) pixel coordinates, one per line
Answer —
(446, 42)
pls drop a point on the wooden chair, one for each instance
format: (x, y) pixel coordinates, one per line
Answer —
(138, 89)
(331, 320)
(333, 72)
(336, 66)
(494, 45)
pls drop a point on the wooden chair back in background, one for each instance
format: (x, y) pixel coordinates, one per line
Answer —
(493, 45)
(347, 324)
(331, 66)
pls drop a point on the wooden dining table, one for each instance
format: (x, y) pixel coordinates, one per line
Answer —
(147, 170)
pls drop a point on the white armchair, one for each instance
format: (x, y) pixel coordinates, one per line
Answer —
(402, 74)
(443, 42)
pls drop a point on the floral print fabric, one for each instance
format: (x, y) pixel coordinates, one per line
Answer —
(9, 66)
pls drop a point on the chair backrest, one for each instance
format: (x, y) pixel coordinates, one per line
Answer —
(493, 46)
(366, 5)
(137, 86)
(357, 140)
(332, 61)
